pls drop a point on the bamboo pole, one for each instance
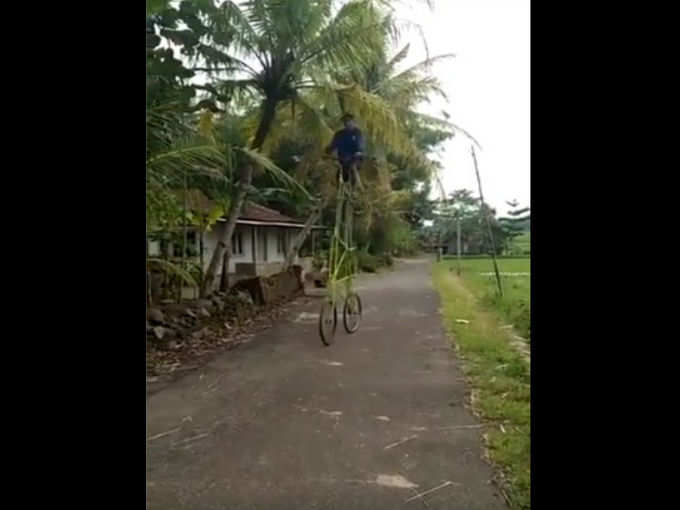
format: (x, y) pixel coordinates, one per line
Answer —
(488, 224)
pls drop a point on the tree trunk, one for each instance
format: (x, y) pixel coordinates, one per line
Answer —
(224, 280)
(225, 242)
(268, 115)
(300, 238)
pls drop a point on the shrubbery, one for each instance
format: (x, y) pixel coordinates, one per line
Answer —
(368, 263)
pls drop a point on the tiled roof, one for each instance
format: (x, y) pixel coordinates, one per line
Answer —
(257, 212)
(197, 201)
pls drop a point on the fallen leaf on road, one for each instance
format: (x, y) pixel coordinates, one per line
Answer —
(404, 440)
(162, 434)
(419, 496)
(396, 481)
(190, 439)
(331, 413)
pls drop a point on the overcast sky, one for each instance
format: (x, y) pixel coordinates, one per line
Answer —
(488, 84)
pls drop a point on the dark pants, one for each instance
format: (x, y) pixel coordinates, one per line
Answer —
(347, 173)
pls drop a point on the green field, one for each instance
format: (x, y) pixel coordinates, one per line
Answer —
(497, 371)
(515, 305)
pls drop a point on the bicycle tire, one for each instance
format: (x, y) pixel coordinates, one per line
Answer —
(328, 317)
(351, 313)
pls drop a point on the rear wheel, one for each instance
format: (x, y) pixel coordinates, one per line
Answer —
(351, 313)
(328, 322)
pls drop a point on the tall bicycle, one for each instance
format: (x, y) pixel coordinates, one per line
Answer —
(342, 266)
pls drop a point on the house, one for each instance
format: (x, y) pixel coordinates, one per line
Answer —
(259, 244)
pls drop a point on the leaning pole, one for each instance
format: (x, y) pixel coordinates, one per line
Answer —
(488, 224)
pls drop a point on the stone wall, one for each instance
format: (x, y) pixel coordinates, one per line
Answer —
(173, 323)
(265, 290)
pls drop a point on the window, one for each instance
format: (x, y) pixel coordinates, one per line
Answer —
(281, 241)
(191, 244)
(262, 248)
(306, 248)
(237, 243)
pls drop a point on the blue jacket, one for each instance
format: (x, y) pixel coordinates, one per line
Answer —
(348, 142)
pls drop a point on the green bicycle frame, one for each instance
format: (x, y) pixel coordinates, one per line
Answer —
(342, 261)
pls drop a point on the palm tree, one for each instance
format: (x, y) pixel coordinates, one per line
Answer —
(286, 42)
(176, 152)
(401, 92)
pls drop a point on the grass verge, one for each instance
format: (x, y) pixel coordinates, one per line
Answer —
(499, 378)
(515, 305)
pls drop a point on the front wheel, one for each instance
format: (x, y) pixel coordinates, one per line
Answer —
(328, 322)
(351, 313)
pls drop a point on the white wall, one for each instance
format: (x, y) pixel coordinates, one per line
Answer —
(274, 259)
(210, 243)
(272, 241)
(154, 248)
(262, 246)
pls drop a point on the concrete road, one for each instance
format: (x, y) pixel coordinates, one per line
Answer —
(286, 423)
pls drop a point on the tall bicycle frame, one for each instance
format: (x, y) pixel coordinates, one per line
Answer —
(342, 267)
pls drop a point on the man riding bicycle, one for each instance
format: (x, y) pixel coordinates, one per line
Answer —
(349, 142)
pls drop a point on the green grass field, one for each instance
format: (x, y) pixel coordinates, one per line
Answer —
(515, 305)
(496, 371)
